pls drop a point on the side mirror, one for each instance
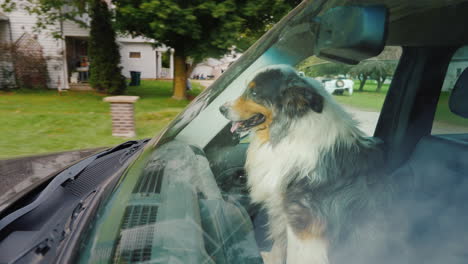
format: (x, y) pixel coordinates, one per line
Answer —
(350, 34)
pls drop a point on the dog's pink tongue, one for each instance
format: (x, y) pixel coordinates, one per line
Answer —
(235, 126)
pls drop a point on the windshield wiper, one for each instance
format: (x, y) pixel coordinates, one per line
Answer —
(61, 178)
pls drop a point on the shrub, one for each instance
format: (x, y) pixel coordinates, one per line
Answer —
(104, 56)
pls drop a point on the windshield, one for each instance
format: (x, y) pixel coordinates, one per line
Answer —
(172, 204)
(288, 42)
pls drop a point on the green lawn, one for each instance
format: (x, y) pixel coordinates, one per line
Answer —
(371, 100)
(35, 122)
(444, 114)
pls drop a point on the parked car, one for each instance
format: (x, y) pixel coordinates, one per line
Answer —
(338, 85)
(182, 198)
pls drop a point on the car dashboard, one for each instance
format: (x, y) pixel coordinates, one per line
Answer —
(173, 212)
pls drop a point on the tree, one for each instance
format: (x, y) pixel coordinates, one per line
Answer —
(200, 28)
(378, 70)
(362, 72)
(382, 70)
(327, 69)
(103, 51)
(197, 29)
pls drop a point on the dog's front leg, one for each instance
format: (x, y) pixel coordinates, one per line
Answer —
(305, 248)
(277, 255)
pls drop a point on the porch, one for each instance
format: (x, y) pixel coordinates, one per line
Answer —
(136, 55)
(77, 60)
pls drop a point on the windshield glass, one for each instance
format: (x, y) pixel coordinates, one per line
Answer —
(288, 42)
(173, 204)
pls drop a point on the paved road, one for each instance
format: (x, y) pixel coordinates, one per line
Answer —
(367, 119)
(204, 83)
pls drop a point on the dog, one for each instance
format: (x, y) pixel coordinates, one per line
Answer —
(308, 164)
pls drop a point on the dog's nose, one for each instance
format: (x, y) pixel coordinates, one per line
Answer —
(223, 109)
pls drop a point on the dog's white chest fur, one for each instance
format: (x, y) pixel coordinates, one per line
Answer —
(300, 148)
(270, 168)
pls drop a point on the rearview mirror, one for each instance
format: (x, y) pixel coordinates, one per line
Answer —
(350, 34)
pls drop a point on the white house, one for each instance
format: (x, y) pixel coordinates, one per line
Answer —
(66, 58)
(139, 54)
(212, 68)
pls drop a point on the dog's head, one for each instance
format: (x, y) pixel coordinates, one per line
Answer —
(275, 96)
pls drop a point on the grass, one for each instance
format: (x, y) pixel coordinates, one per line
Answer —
(42, 121)
(368, 99)
(371, 100)
(443, 113)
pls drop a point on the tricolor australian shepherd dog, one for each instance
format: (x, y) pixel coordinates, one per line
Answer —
(308, 164)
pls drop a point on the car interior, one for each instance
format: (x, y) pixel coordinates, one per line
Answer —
(428, 171)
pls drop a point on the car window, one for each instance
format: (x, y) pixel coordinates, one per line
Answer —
(360, 88)
(446, 121)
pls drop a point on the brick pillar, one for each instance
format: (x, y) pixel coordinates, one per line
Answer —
(123, 124)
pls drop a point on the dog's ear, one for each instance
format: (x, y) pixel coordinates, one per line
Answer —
(297, 101)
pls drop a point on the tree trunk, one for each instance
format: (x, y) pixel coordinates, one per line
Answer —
(382, 83)
(363, 82)
(190, 68)
(379, 85)
(180, 77)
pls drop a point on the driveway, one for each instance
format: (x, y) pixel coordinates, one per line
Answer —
(204, 83)
(367, 119)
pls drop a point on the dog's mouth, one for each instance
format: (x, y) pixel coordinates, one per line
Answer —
(245, 125)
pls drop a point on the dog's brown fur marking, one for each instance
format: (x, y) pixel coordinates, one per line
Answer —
(313, 230)
(305, 225)
(247, 108)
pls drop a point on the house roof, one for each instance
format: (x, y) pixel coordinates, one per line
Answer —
(3, 17)
(134, 39)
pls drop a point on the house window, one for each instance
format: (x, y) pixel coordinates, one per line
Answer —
(135, 55)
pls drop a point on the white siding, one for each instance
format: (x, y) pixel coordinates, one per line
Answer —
(146, 64)
(71, 29)
(137, 39)
(21, 22)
